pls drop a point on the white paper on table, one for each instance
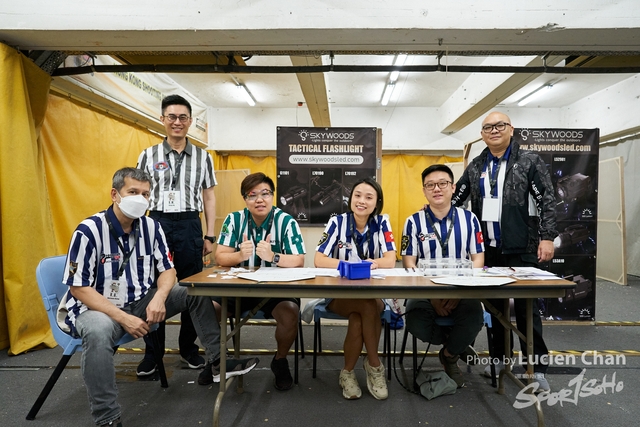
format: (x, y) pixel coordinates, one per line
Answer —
(490, 272)
(535, 277)
(532, 271)
(275, 274)
(329, 272)
(472, 281)
(396, 272)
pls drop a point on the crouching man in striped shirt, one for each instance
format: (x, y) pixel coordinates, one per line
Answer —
(443, 231)
(262, 235)
(121, 280)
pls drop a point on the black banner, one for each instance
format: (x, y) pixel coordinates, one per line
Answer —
(571, 155)
(317, 167)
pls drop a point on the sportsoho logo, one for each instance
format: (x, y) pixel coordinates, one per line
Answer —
(304, 134)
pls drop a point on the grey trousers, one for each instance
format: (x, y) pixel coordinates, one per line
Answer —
(100, 334)
(467, 318)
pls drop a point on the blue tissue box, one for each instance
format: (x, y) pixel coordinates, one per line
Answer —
(355, 270)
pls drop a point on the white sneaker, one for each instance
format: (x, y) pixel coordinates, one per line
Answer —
(349, 383)
(376, 382)
(543, 384)
(487, 370)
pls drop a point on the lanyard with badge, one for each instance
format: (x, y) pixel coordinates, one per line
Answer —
(172, 197)
(252, 228)
(444, 240)
(359, 243)
(116, 293)
(491, 202)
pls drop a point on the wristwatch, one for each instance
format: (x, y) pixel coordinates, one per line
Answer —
(276, 259)
(212, 239)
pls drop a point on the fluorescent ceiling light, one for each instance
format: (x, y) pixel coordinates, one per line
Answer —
(534, 95)
(393, 78)
(398, 62)
(386, 95)
(248, 96)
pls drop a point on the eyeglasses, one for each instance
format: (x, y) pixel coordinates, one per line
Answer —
(500, 126)
(441, 185)
(252, 197)
(182, 117)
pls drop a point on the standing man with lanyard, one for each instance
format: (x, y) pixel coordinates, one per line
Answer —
(436, 232)
(183, 183)
(512, 194)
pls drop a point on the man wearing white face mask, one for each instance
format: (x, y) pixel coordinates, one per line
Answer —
(121, 280)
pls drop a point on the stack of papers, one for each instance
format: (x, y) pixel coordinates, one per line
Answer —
(520, 273)
(275, 274)
(472, 281)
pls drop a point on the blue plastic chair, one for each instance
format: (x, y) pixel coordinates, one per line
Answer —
(49, 276)
(321, 312)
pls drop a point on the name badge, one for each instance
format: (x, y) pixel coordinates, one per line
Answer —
(171, 201)
(491, 209)
(115, 294)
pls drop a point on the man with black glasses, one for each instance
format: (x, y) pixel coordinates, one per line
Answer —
(512, 194)
(436, 232)
(183, 183)
(262, 235)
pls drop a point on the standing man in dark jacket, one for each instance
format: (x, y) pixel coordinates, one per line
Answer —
(512, 194)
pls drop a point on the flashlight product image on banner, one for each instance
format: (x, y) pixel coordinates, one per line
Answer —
(328, 193)
(573, 187)
(293, 201)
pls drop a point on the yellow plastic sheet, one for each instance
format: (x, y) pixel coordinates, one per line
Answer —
(83, 148)
(25, 218)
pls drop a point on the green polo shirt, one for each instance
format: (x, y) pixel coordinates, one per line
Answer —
(286, 237)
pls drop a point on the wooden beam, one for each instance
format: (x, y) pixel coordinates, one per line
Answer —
(314, 90)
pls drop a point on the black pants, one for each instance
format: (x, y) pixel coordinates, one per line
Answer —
(184, 237)
(493, 258)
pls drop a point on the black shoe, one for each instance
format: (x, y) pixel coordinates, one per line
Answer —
(280, 368)
(211, 372)
(146, 367)
(193, 361)
(206, 375)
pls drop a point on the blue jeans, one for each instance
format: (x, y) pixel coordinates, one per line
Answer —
(100, 334)
(467, 317)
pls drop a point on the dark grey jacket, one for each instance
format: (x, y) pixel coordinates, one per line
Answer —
(526, 174)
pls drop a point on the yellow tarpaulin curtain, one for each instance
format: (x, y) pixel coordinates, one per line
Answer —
(83, 148)
(402, 187)
(25, 218)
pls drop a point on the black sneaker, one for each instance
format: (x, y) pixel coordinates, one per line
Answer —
(114, 423)
(206, 375)
(146, 367)
(193, 361)
(211, 373)
(280, 368)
